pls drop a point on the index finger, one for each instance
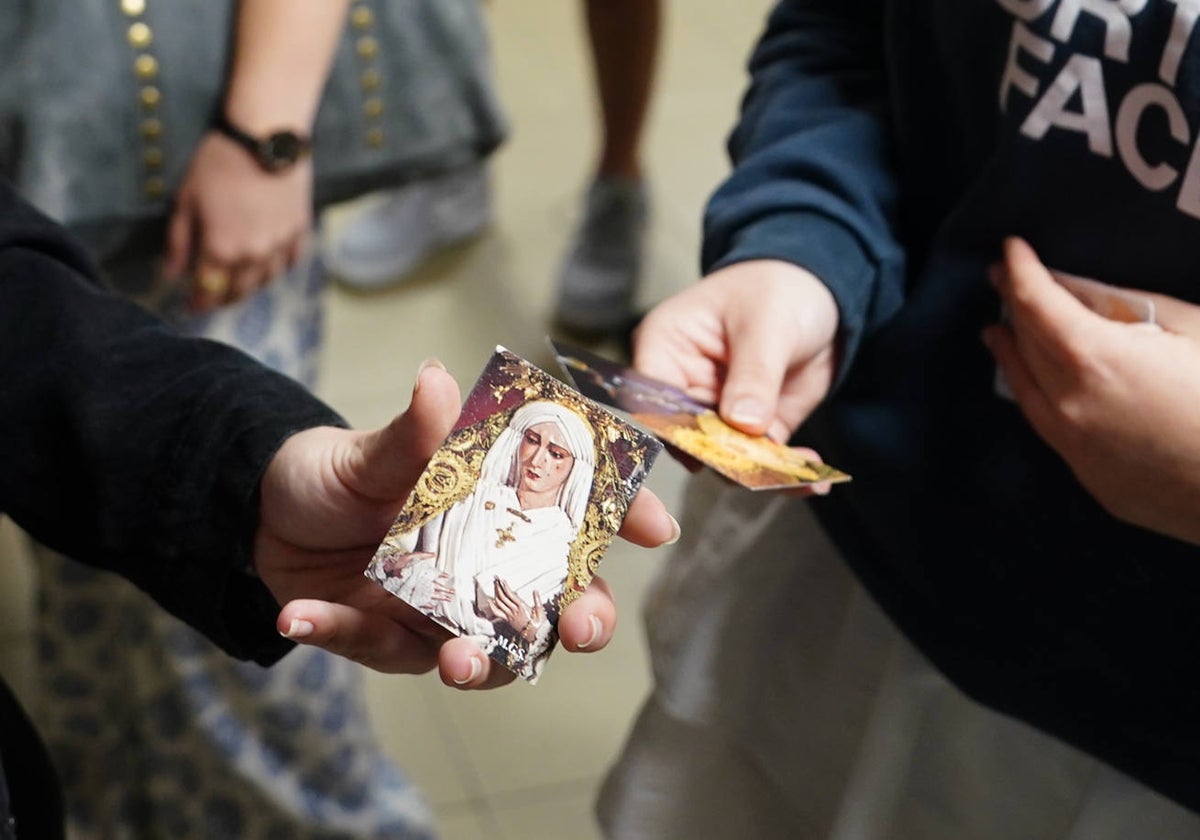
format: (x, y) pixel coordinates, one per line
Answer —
(648, 523)
(462, 665)
(377, 640)
(690, 363)
(588, 622)
(1040, 309)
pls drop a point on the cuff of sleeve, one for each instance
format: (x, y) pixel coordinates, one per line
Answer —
(822, 246)
(240, 426)
(246, 627)
(248, 609)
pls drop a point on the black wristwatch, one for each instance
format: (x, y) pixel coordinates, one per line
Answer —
(276, 152)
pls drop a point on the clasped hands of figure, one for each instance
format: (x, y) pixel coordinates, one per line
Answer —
(234, 227)
(505, 606)
(508, 607)
(328, 498)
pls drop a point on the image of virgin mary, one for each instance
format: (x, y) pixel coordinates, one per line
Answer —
(492, 565)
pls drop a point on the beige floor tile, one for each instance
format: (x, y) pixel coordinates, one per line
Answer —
(457, 308)
(468, 824)
(562, 811)
(420, 738)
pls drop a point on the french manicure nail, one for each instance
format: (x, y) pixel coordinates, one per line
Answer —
(746, 411)
(298, 629)
(597, 629)
(428, 363)
(676, 534)
(431, 362)
(476, 669)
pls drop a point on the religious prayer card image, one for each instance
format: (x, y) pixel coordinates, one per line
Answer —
(755, 462)
(692, 426)
(508, 523)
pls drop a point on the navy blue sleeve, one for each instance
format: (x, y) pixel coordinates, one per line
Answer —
(133, 448)
(813, 180)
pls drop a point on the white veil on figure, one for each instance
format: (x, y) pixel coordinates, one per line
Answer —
(463, 537)
(501, 466)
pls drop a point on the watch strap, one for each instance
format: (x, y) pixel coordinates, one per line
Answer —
(275, 152)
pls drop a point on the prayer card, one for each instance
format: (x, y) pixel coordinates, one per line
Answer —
(508, 523)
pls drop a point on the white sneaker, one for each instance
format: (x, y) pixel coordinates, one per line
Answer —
(385, 241)
(600, 273)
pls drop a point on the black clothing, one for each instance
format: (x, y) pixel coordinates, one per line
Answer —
(889, 147)
(127, 444)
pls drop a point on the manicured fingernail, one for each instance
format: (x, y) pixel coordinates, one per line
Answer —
(476, 670)
(597, 629)
(428, 363)
(298, 629)
(747, 411)
(676, 532)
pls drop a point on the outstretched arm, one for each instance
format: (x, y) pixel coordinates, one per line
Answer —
(131, 447)
(185, 466)
(799, 250)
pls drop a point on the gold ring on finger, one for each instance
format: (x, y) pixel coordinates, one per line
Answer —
(213, 281)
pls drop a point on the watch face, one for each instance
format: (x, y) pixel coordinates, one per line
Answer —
(281, 150)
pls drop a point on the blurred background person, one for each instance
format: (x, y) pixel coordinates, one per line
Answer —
(384, 240)
(979, 636)
(597, 283)
(202, 209)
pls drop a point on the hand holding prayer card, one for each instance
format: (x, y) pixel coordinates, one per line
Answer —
(508, 523)
(693, 427)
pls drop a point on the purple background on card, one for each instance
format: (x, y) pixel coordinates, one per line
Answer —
(634, 392)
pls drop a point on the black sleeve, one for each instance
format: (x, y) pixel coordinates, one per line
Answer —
(130, 447)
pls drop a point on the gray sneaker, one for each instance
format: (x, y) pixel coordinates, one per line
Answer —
(599, 276)
(384, 242)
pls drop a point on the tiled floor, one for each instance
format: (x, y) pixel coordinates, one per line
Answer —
(525, 761)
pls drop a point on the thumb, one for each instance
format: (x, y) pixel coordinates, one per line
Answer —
(758, 360)
(385, 464)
